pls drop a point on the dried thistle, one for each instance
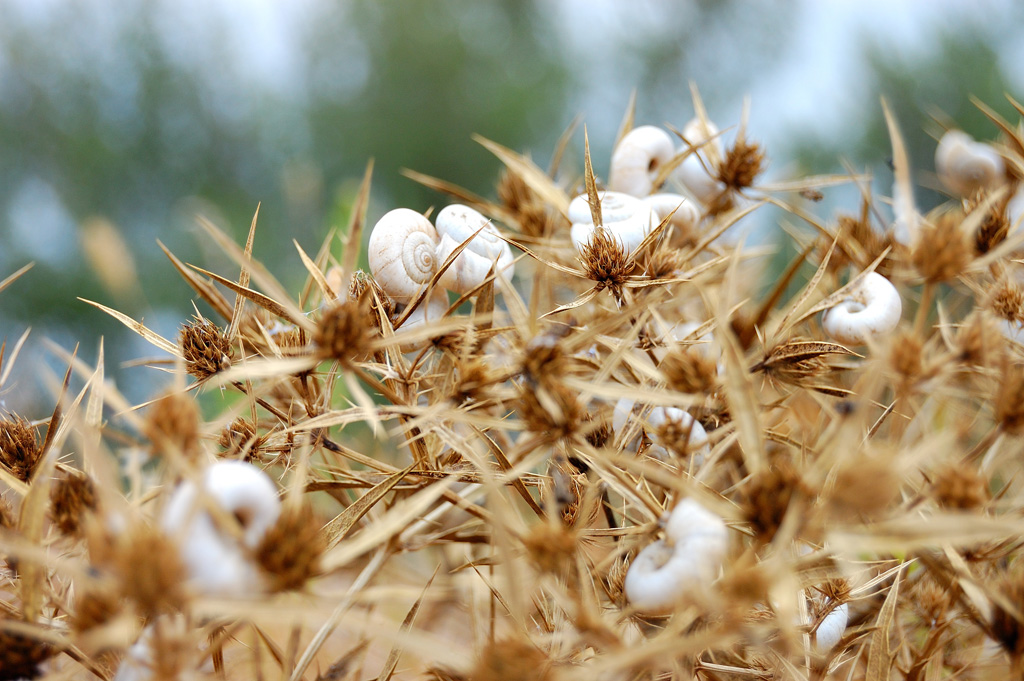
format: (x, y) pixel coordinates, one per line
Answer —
(205, 348)
(554, 410)
(343, 332)
(960, 487)
(290, 552)
(688, 369)
(363, 285)
(71, 497)
(551, 547)
(531, 213)
(149, 571)
(606, 262)
(21, 655)
(511, 660)
(1009, 398)
(1007, 301)
(995, 225)
(741, 165)
(1008, 625)
(238, 435)
(942, 250)
(173, 424)
(768, 496)
(20, 451)
(96, 605)
(864, 486)
(978, 341)
(544, 360)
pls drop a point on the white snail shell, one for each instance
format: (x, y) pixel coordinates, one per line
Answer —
(628, 219)
(872, 308)
(638, 158)
(455, 224)
(831, 629)
(697, 170)
(697, 442)
(686, 214)
(965, 165)
(216, 562)
(403, 252)
(681, 566)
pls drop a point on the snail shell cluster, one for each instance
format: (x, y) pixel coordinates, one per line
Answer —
(628, 219)
(965, 165)
(872, 308)
(217, 562)
(680, 566)
(405, 251)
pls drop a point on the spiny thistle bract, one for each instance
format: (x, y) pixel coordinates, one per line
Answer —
(487, 482)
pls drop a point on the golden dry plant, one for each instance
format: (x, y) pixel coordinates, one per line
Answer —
(583, 443)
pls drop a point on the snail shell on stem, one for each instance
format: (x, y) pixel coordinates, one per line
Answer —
(217, 562)
(697, 171)
(628, 219)
(680, 566)
(403, 252)
(455, 224)
(638, 158)
(871, 308)
(965, 165)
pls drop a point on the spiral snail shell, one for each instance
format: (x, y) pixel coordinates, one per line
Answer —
(403, 252)
(638, 159)
(697, 170)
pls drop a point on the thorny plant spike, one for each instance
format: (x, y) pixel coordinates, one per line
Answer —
(527, 445)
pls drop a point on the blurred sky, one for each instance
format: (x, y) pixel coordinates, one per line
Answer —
(120, 120)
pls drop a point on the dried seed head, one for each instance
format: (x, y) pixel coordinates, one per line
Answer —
(1008, 626)
(20, 655)
(205, 348)
(363, 285)
(605, 262)
(95, 605)
(290, 551)
(931, 600)
(741, 165)
(553, 410)
(72, 496)
(237, 436)
(959, 486)
(149, 570)
(689, 370)
(859, 244)
(544, 360)
(995, 225)
(768, 496)
(471, 381)
(511, 660)
(19, 449)
(551, 547)
(1009, 398)
(172, 424)
(528, 210)
(978, 340)
(664, 263)
(343, 332)
(864, 486)
(1007, 301)
(598, 428)
(942, 250)
(7, 520)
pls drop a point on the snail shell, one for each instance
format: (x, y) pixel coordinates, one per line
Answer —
(455, 224)
(218, 563)
(872, 308)
(403, 252)
(965, 165)
(686, 214)
(638, 158)
(697, 170)
(626, 217)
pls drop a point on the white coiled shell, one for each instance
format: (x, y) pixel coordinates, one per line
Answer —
(872, 308)
(831, 629)
(965, 165)
(455, 224)
(628, 219)
(681, 566)
(403, 252)
(218, 563)
(638, 159)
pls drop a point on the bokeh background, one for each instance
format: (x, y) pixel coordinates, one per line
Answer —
(120, 121)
